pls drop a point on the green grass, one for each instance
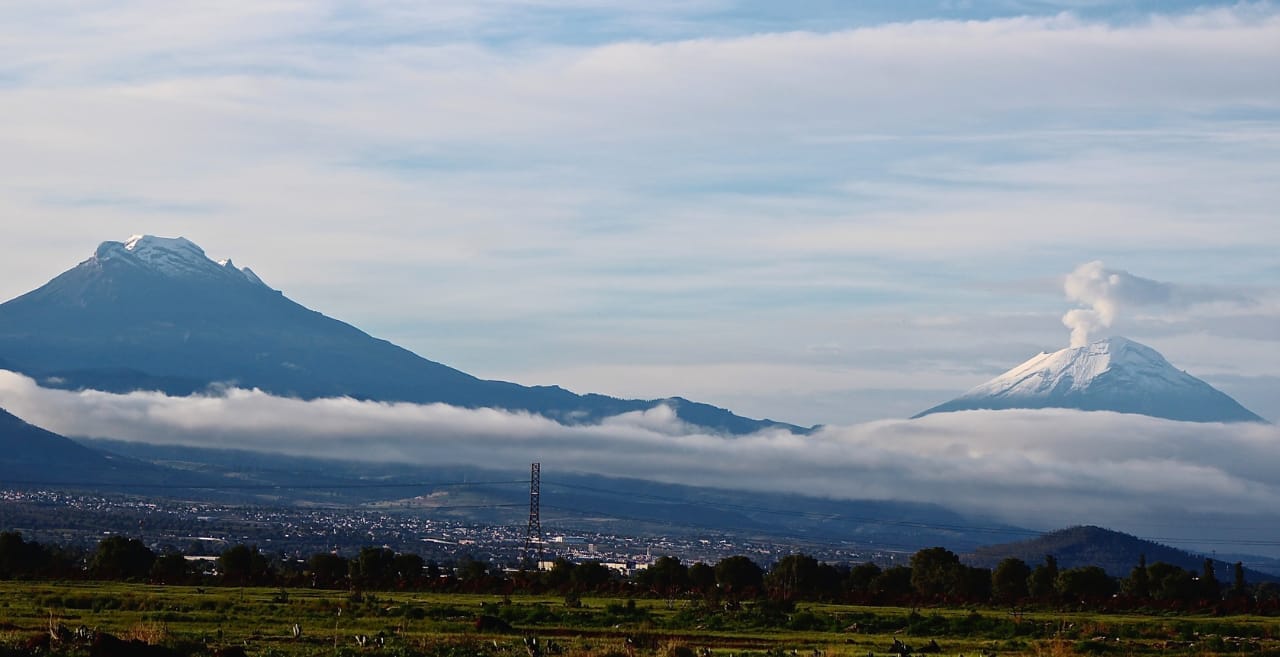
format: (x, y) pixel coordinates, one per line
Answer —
(444, 625)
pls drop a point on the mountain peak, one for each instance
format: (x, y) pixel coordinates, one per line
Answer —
(170, 256)
(1075, 368)
(1110, 374)
(150, 246)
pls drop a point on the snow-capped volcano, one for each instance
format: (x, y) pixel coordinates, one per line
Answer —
(1112, 374)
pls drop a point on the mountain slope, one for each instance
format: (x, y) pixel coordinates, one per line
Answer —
(1112, 374)
(34, 456)
(1116, 552)
(158, 314)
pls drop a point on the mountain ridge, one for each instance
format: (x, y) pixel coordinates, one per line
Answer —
(157, 313)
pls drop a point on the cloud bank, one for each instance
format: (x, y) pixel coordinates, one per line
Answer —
(1042, 469)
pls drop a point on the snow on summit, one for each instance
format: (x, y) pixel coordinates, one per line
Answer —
(149, 246)
(1111, 374)
(1076, 368)
(172, 256)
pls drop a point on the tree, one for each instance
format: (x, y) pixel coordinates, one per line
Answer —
(739, 576)
(1044, 578)
(894, 583)
(860, 578)
(171, 568)
(121, 558)
(471, 569)
(1087, 583)
(703, 578)
(795, 576)
(1238, 586)
(374, 567)
(244, 565)
(590, 576)
(935, 572)
(828, 581)
(1169, 582)
(1009, 580)
(19, 558)
(666, 577)
(561, 574)
(1209, 586)
(973, 583)
(407, 568)
(327, 569)
(1138, 584)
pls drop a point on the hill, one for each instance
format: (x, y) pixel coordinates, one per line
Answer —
(1115, 552)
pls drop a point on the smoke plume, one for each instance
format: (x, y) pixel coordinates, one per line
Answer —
(1108, 293)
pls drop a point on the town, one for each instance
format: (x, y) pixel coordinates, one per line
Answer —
(206, 529)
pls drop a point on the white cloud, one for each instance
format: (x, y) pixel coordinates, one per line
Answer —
(1041, 468)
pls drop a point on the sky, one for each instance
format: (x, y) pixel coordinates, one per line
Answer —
(819, 212)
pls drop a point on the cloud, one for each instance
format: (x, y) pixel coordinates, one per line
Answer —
(1109, 292)
(1040, 468)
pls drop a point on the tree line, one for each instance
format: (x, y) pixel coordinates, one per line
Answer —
(932, 576)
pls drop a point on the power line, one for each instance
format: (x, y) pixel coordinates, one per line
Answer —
(787, 538)
(808, 515)
(811, 515)
(795, 513)
(234, 486)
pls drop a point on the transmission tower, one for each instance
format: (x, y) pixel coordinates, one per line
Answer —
(533, 537)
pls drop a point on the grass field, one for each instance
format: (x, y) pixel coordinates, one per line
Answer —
(261, 620)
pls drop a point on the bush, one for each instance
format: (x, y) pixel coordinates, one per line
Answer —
(1091, 647)
(807, 621)
(676, 650)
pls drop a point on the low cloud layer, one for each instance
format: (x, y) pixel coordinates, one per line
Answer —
(1043, 469)
(1108, 293)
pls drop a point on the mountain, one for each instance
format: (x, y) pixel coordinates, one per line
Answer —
(1116, 552)
(1112, 374)
(158, 314)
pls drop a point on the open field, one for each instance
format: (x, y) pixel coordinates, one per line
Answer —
(261, 620)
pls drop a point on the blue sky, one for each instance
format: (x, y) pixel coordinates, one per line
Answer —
(821, 212)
